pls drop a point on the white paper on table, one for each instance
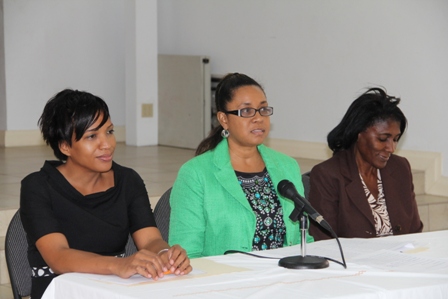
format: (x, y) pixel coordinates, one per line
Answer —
(396, 261)
(201, 267)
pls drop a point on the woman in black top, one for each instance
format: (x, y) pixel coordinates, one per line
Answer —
(79, 211)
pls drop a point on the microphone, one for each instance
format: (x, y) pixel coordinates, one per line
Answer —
(288, 190)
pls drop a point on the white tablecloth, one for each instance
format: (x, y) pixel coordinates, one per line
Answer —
(408, 266)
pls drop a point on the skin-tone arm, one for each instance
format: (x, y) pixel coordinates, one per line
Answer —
(61, 258)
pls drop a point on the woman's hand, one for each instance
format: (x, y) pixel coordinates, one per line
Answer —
(176, 260)
(173, 259)
(150, 261)
(144, 262)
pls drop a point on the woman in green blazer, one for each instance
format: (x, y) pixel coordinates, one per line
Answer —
(225, 198)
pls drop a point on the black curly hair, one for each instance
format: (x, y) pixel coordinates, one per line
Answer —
(372, 106)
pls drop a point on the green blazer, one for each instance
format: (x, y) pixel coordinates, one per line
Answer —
(209, 210)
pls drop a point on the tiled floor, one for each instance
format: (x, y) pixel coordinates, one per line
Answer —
(5, 292)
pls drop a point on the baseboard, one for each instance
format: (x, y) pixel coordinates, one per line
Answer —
(34, 137)
(429, 162)
(300, 149)
(22, 138)
(2, 138)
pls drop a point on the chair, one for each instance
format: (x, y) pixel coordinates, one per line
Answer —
(130, 248)
(16, 248)
(306, 183)
(162, 214)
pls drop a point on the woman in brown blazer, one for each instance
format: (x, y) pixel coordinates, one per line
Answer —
(365, 190)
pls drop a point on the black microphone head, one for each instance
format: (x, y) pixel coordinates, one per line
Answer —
(287, 189)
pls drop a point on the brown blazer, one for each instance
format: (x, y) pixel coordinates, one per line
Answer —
(336, 192)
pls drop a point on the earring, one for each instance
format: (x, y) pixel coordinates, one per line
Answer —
(225, 133)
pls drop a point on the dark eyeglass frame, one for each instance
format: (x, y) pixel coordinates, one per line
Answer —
(260, 111)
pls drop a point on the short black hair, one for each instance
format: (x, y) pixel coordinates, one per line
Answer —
(70, 113)
(371, 107)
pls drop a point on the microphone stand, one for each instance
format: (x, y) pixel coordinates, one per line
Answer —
(302, 261)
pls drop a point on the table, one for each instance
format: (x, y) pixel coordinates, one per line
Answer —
(407, 266)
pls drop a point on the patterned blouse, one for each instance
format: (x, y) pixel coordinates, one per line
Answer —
(260, 192)
(383, 226)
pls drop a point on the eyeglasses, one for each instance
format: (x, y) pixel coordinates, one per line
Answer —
(250, 112)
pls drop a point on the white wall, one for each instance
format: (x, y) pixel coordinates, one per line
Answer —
(51, 45)
(315, 57)
(2, 73)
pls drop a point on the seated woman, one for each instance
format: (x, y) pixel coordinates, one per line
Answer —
(365, 190)
(225, 198)
(79, 211)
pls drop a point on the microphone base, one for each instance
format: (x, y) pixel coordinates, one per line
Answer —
(303, 262)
